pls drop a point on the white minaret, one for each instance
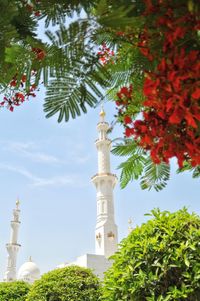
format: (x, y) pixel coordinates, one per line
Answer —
(13, 246)
(106, 229)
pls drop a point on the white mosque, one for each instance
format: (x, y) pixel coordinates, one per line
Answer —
(106, 239)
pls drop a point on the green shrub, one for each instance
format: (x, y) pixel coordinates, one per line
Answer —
(13, 291)
(158, 261)
(72, 283)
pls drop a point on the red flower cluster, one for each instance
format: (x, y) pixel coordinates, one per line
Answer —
(124, 98)
(105, 54)
(171, 118)
(124, 95)
(16, 96)
(39, 53)
(143, 45)
(32, 9)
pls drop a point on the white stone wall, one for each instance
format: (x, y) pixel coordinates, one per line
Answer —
(97, 263)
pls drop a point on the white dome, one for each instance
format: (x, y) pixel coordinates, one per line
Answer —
(29, 272)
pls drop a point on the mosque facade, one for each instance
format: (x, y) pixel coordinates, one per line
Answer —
(106, 233)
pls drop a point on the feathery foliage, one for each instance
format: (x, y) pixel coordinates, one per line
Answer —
(155, 175)
(139, 165)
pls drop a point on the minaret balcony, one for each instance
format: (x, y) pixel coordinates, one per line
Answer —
(102, 141)
(103, 125)
(12, 244)
(15, 222)
(13, 247)
(104, 176)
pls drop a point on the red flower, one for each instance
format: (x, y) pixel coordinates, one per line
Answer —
(40, 53)
(129, 132)
(19, 96)
(190, 120)
(23, 78)
(127, 120)
(196, 94)
(124, 90)
(118, 103)
(119, 33)
(37, 13)
(29, 7)
(105, 54)
(13, 83)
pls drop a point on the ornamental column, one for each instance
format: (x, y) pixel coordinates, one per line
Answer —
(13, 246)
(106, 230)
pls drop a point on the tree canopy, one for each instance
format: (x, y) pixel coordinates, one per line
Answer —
(144, 55)
(72, 283)
(13, 291)
(158, 261)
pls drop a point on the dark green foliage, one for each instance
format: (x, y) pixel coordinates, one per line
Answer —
(17, 29)
(70, 69)
(56, 12)
(72, 283)
(14, 291)
(158, 261)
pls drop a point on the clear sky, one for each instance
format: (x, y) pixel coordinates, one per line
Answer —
(49, 166)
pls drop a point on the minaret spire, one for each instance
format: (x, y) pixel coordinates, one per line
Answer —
(130, 225)
(102, 114)
(13, 246)
(105, 181)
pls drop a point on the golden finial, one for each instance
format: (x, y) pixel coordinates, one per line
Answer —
(130, 221)
(17, 203)
(102, 114)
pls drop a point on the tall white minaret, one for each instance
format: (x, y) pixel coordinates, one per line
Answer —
(106, 230)
(13, 246)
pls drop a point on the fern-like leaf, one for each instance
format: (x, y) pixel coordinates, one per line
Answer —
(131, 169)
(124, 149)
(196, 172)
(155, 175)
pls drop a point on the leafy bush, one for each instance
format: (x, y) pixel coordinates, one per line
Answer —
(158, 261)
(72, 283)
(13, 291)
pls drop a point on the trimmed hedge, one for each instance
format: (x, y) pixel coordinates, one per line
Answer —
(71, 283)
(14, 291)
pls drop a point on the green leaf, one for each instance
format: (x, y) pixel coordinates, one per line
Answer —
(187, 263)
(155, 175)
(131, 169)
(125, 149)
(196, 172)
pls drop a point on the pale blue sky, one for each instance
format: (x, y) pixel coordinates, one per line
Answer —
(49, 166)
